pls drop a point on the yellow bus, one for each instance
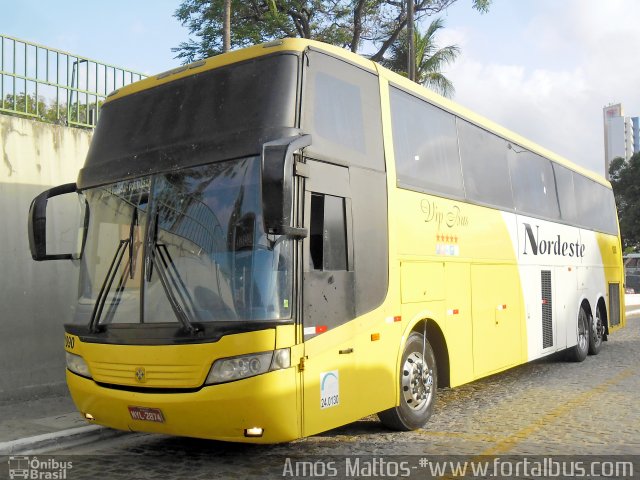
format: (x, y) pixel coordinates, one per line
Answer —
(286, 238)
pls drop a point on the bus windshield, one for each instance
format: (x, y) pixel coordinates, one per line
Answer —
(186, 246)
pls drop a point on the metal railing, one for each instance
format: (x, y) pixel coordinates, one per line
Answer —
(55, 86)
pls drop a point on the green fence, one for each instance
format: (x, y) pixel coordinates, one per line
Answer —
(55, 86)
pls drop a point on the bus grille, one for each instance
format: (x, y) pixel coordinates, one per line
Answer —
(162, 376)
(547, 310)
(614, 303)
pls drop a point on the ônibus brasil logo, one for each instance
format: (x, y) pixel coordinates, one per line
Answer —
(34, 468)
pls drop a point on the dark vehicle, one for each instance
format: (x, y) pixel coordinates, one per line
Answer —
(632, 273)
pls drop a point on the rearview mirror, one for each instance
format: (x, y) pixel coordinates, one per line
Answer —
(58, 227)
(277, 184)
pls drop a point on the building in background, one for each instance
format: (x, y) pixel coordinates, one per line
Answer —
(621, 135)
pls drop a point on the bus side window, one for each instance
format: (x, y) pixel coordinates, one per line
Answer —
(328, 233)
(341, 111)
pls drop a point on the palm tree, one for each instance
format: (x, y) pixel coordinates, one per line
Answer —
(430, 59)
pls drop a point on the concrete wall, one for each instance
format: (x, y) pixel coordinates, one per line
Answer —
(36, 298)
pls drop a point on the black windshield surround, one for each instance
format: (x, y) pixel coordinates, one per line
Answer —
(215, 115)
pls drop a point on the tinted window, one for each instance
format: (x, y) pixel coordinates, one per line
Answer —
(534, 188)
(425, 145)
(328, 235)
(341, 110)
(566, 194)
(484, 166)
(596, 205)
(340, 119)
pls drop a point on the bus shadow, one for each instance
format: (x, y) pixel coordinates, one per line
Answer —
(366, 426)
(195, 447)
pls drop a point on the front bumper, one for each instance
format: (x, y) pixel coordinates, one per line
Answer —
(220, 412)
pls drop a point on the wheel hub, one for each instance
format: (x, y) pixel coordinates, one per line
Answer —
(597, 328)
(583, 338)
(417, 381)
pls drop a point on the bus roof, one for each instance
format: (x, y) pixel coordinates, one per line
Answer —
(299, 45)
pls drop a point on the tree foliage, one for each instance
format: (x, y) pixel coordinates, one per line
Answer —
(430, 58)
(625, 179)
(346, 23)
(22, 105)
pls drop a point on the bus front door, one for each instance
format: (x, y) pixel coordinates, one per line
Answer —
(329, 377)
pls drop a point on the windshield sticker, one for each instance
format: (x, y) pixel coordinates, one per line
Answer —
(329, 389)
(130, 188)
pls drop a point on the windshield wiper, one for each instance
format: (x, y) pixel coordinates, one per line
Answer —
(170, 279)
(111, 275)
(134, 222)
(106, 285)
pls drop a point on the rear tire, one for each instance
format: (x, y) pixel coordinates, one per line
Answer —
(596, 333)
(417, 383)
(579, 352)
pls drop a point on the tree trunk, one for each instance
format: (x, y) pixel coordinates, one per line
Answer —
(226, 27)
(388, 42)
(411, 50)
(357, 25)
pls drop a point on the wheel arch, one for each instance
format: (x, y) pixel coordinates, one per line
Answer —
(438, 343)
(602, 306)
(584, 303)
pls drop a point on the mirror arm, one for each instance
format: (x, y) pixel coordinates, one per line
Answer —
(294, 232)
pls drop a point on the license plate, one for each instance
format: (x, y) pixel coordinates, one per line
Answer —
(146, 414)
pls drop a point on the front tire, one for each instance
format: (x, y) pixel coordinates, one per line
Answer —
(579, 352)
(418, 383)
(596, 333)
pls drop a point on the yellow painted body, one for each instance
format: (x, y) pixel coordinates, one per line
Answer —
(220, 412)
(450, 262)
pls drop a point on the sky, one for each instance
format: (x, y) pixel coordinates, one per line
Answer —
(542, 68)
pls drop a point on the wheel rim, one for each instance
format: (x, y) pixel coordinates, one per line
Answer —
(583, 339)
(598, 329)
(417, 381)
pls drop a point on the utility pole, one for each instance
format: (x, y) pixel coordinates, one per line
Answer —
(411, 60)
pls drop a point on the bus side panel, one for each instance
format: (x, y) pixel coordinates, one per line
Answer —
(565, 304)
(331, 396)
(440, 292)
(532, 309)
(557, 270)
(459, 328)
(378, 344)
(592, 279)
(610, 249)
(495, 299)
(422, 281)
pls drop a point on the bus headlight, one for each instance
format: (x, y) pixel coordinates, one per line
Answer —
(245, 366)
(76, 364)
